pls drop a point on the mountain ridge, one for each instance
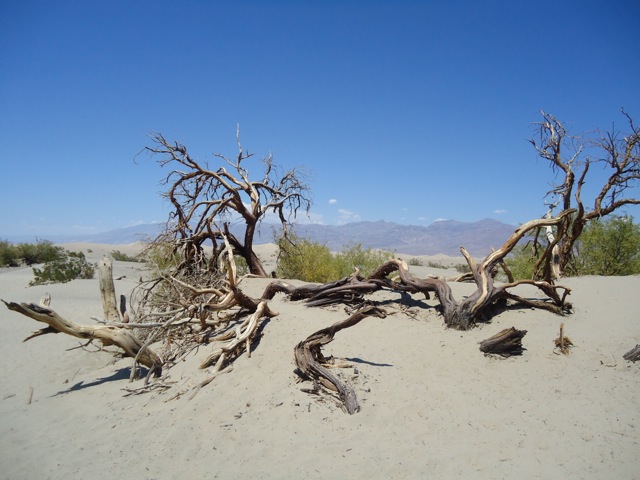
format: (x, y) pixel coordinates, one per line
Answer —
(441, 237)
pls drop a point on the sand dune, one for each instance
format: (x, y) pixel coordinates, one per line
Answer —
(432, 404)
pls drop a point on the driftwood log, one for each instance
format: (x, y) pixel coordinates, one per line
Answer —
(633, 355)
(505, 343)
(107, 334)
(311, 362)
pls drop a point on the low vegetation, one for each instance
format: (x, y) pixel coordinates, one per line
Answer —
(58, 265)
(123, 257)
(71, 266)
(302, 259)
(14, 255)
(608, 246)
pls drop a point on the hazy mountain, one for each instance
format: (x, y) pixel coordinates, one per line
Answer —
(440, 237)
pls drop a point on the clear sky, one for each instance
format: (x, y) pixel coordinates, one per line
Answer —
(407, 111)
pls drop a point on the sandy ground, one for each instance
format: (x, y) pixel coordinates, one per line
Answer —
(432, 404)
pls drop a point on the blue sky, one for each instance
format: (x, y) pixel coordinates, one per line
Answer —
(404, 111)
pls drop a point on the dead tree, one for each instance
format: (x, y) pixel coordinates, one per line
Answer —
(457, 314)
(572, 157)
(206, 200)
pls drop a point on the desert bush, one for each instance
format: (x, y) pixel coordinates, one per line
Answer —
(522, 261)
(433, 264)
(303, 259)
(123, 257)
(416, 262)
(462, 268)
(40, 252)
(73, 265)
(160, 258)
(609, 246)
(355, 256)
(9, 255)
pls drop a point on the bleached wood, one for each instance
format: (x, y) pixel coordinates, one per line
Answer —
(107, 290)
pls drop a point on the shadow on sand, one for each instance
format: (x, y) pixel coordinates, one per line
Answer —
(120, 374)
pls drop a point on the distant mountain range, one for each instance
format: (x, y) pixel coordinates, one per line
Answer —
(443, 237)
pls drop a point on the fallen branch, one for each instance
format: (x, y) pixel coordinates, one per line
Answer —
(107, 334)
(309, 358)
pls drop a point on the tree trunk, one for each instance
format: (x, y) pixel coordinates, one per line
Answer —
(246, 250)
(107, 290)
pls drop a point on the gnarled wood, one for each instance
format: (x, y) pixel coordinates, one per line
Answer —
(505, 343)
(309, 358)
(238, 339)
(461, 315)
(107, 290)
(202, 195)
(618, 156)
(633, 355)
(107, 334)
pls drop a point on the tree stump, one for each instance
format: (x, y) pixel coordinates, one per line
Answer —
(107, 290)
(505, 343)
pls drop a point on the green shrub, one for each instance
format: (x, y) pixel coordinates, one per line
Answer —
(521, 262)
(365, 259)
(161, 258)
(416, 262)
(73, 265)
(303, 259)
(609, 246)
(463, 268)
(41, 252)
(9, 255)
(432, 264)
(123, 257)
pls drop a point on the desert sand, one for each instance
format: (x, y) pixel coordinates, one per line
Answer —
(432, 404)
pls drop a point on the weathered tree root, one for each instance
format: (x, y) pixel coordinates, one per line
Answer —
(505, 343)
(107, 334)
(239, 339)
(309, 358)
(633, 355)
(462, 314)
